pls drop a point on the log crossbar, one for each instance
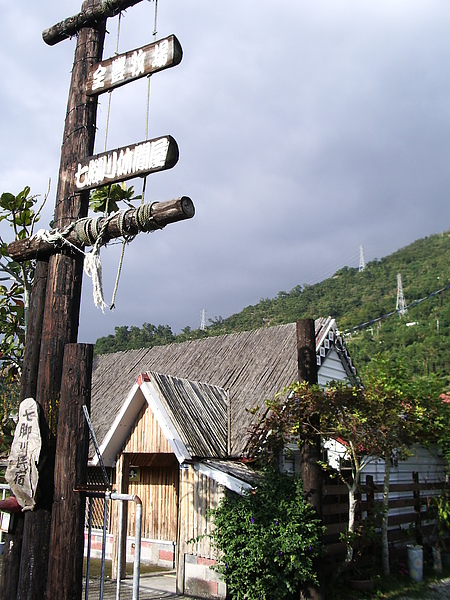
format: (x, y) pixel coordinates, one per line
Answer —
(88, 17)
(128, 223)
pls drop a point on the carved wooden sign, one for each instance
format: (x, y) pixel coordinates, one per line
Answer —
(134, 64)
(21, 473)
(136, 160)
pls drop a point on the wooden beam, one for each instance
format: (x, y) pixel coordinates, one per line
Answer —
(311, 473)
(88, 17)
(65, 568)
(161, 214)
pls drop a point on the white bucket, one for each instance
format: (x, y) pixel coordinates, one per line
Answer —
(415, 562)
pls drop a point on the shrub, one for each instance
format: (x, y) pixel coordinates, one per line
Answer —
(267, 539)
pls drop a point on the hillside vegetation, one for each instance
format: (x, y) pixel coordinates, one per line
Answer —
(362, 304)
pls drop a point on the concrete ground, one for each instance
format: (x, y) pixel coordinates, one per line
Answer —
(162, 586)
(151, 587)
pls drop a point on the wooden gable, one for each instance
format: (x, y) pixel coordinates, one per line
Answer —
(146, 436)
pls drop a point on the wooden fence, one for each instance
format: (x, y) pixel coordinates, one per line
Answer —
(408, 518)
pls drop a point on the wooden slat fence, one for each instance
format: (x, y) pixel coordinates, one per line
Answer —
(408, 521)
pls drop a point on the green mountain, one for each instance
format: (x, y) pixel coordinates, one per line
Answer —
(363, 304)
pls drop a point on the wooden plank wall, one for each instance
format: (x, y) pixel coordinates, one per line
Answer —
(158, 490)
(198, 493)
(147, 435)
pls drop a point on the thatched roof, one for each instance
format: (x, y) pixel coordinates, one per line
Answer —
(250, 367)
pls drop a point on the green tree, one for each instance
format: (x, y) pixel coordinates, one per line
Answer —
(406, 412)
(385, 417)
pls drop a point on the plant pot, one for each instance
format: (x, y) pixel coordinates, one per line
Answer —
(362, 585)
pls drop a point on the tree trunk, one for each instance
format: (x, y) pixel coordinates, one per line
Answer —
(352, 503)
(385, 517)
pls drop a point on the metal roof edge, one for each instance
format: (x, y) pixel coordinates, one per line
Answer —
(151, 395)
(229, 481)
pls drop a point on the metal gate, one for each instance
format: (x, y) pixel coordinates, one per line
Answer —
(109, 496)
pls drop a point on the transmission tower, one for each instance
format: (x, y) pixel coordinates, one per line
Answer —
(401, 302)
(203, 320)
(362, 262)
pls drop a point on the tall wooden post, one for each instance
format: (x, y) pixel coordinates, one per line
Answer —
(61, 312)
(28, 383)
(310, 452)
(65, 569)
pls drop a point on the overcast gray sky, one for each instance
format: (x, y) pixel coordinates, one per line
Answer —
(306, 128)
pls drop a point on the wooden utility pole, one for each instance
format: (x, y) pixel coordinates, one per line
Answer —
(62, 305)
(28, 384)
(61, 387)
(65, 569)
(310, 452)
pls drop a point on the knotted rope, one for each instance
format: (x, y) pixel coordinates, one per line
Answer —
(90, 231)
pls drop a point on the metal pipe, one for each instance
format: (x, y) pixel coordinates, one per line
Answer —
(88, 558)
(137, 549)
(105, 514)
(119, 551)
(137, 537)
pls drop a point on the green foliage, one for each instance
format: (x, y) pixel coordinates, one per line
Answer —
(439, 509)
(267, 540)
(129, 338)
(16, 280)
(9, 402)
(106, 199)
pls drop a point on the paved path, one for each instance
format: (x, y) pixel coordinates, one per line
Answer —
(161, 587)
(152, 587)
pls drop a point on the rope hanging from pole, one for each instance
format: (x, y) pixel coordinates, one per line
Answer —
(91, 231)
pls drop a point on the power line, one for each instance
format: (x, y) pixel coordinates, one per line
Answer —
(394, 312)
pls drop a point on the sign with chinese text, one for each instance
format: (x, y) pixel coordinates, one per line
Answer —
(118, 165)
(134, 64)
(22, 473)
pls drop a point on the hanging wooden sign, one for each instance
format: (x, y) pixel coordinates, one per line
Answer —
(125, 163)
(134, 64)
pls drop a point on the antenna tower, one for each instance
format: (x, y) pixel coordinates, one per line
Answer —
(362, 262)
(203, 320)
(401, 302)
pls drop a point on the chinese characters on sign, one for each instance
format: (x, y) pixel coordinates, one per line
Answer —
(125, 163)
(22, 473)
(134, 64)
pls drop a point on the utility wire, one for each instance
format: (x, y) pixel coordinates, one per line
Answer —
(394, 312)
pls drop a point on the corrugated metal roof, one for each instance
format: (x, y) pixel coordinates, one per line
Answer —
(250, 367)
(199, 412)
